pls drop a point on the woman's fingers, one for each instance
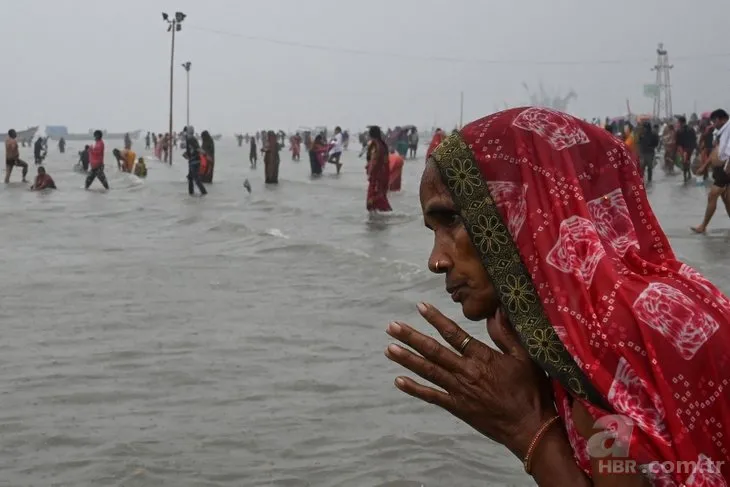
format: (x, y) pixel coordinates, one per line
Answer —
(428, 370)
(424, 393)
(452, 333)
(426, 346)
(504, 336)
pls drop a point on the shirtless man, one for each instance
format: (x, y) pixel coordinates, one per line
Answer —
(12, 156)
(719, 161)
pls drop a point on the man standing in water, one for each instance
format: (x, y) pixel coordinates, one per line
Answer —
(648, 142)
(12, 156)
(192, 154)
(38, 154)
(337, 148)
(96, 161)
(686, 145)
(720, 162)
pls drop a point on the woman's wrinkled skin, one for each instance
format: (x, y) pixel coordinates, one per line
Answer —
(454, 251)
(504, 396)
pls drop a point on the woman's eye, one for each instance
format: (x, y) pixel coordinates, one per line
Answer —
(454, 219)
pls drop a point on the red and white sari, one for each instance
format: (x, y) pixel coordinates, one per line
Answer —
(639, 333)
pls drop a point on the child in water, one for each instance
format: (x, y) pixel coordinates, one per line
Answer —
(140, 169)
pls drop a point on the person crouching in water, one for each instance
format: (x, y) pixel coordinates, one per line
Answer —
(192, 154)
(43, 181)
(140, 169)
(96, 161)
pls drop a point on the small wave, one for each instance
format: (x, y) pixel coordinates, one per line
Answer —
(275, 232)
(229, 227)
(189, 220)
(405, 270)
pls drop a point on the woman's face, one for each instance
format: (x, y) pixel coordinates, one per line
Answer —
(466, 279)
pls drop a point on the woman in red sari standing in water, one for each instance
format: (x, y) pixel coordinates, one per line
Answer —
(378, 172)
(436, 140)
(613, 366)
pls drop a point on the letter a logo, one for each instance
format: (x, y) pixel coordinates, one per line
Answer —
(613, 439)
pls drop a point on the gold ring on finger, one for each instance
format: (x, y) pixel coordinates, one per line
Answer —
(464, 344)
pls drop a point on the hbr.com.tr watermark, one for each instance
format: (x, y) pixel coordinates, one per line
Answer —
(611, 447)
(625, 466)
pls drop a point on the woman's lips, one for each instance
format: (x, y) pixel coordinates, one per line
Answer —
(456, 293)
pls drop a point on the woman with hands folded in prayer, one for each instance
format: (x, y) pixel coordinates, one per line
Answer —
(542, 228)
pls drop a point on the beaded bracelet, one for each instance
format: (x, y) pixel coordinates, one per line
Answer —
(536, 440)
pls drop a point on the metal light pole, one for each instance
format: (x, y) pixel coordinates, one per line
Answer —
(187, 66)
(173, 26)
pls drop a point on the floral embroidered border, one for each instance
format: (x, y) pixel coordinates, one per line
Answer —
(502, 261)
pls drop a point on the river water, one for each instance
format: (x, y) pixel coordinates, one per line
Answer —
(153, 339)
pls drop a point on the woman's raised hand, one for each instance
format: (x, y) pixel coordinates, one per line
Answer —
(504, 396)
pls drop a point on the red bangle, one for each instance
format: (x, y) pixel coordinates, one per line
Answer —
(536, 441)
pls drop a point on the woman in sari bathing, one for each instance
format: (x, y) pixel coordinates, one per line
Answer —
(608, 345)
(437, 138)
(378, 172)
(317, 155)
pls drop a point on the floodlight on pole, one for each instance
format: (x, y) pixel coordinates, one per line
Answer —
(172, 26)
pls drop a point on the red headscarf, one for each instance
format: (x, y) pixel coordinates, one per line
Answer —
(436, 140)
(557, 209)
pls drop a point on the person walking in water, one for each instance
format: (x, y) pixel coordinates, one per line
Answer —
(253, 156)
(38, 151)
(378, 171)
(719, 160)
(96, 162)
(336, 150)
(208, 148)
(192, 154)
(12, 156)
(413, 142)
(648, 142)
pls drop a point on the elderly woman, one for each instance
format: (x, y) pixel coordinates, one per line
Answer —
(543, 229)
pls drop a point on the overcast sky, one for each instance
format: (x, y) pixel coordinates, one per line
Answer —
(105, 64)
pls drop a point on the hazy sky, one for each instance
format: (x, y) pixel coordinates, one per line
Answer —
(105, 64)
